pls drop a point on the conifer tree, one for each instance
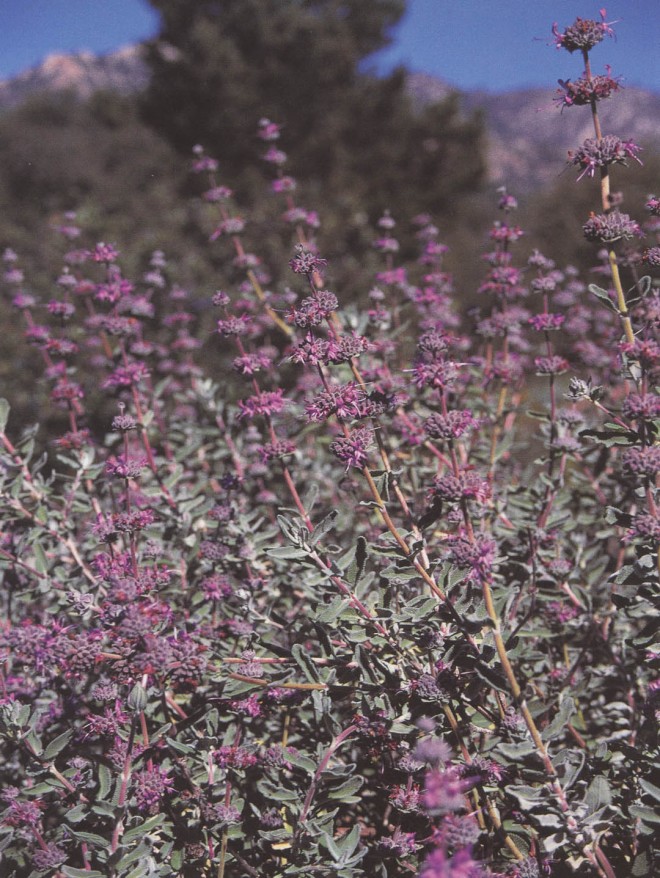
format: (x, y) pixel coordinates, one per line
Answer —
(218, 66)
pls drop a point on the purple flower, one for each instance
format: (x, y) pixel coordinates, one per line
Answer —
(283, 184)
(554, 365)
(609, 227)
(234, 325)
(547, 284)
(265, 403)
(120, 327)
(295, 215)
(306, 262)
(227, 814)
(49, 857)
(64, 310)
(646, 527)
(314, 309)
(130, 522)
(23, 301)
(22, 813)
(583, 34)
(503, 280)
(651, 257)
(216, 587)
(546, 322)
(585, 90)
(113, 291)
(105, 253)
(125, 469)
(81, 653)
(433, 251)
(78, 257)
(344, 401)
(503, 233)
(600, 153)
(458, 832)
(646, 351)
(442, 374)
(149, 786)
(202, 162)
(642, 461)
(276, 450)
(538, 260)
(73, 441)
(507, 202)
(353, 450)
(250, 364)
(450, 426)
(653, 205)
(233, 225)
(645, 407)
(275, 156)
(36, 334)
(485, 770)
(478, 555)
(468, 484)
(246, 260)
(406, 799)
(311, 351)
(559, 613)
(433, 751)
(347, 347)
(386, 221)
(234, 757)
(246, 706)
(217, 193)
(399, 844)
(268, 131)
(66, 280)
(444, 791)
(67, 391)
(249, 667)
(386, 245)
(124, 423)
(126, 376)
(393, 276)
(61, 347)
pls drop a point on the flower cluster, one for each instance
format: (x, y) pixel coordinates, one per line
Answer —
(586, 90)
(583, 34)
(600, 153)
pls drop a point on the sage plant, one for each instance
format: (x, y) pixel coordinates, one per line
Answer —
(380, 600)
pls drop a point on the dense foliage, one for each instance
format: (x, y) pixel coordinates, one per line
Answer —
(355, 140)
(383, 600)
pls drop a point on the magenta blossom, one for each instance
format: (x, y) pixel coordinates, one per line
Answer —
(461, 865)
(353, 450)
(583, 34)
(445, 791)
(601, 153)
(587, 89)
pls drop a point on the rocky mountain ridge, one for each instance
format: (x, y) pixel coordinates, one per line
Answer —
(84, 73)
(528, 136)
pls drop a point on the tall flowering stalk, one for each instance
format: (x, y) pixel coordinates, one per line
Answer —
(600, 152)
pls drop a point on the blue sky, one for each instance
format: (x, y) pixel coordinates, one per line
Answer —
(494, 44)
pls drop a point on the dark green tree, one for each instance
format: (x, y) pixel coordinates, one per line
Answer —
(354, 139)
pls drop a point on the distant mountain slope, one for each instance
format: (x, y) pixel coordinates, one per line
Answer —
(529, 137)
(123, 71)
